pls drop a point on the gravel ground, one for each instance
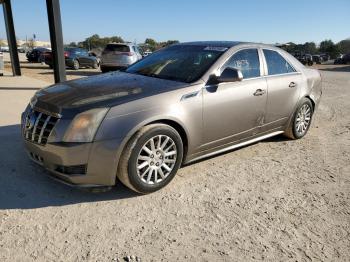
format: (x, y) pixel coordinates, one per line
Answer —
(277, 200)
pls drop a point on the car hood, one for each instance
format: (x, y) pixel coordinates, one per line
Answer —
(105, 90)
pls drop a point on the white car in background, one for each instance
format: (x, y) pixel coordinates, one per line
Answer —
(117, 56)
(4, 49)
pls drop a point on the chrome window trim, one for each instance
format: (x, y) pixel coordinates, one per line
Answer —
(285, 74)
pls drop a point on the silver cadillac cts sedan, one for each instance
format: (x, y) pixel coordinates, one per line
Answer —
(181, 104)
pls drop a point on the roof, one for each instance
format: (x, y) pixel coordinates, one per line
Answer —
(227, 44)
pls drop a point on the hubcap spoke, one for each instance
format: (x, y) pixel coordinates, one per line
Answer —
(153, 148)
(142, 165)
(145, 148)
(149, 175)
(165, 142)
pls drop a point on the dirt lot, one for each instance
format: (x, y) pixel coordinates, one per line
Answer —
(43, 72)
(278, 200)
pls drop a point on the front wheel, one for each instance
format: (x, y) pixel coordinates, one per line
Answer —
(301, 120)
(151, 158)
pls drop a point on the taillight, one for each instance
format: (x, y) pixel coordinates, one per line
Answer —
(66, 54)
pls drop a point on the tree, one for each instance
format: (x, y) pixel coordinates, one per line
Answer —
(3, 42)
(310, 48)
(151, 44)
(73, 44)
(167, 43)
(344, 46)
(96, 42)
(154, 45)
(327, 46)
(31, 43)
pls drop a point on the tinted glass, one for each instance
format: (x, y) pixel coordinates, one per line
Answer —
(185, 63)
(117, 48)
(247, 61)
(276, 64)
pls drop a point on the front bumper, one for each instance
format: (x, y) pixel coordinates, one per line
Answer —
(100, 160)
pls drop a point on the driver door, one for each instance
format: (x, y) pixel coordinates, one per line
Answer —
(234, 111)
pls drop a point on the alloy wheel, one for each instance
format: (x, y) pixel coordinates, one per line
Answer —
(156, 159)
(303, 119)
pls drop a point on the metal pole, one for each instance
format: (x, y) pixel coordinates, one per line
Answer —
(11, 37)
(56, 38)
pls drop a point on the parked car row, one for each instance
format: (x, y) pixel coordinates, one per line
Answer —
(115, 56)
(308, 59)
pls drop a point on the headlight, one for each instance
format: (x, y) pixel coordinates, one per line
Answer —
(84, 126)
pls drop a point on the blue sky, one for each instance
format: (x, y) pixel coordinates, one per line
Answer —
(267, 21)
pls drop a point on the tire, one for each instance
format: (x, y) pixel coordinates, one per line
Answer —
(76, 65)
(95, 65)
(104, 69)
(147, 171)
(301, 120)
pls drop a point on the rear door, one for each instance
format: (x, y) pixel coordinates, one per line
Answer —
(83, 57)
(283, 83)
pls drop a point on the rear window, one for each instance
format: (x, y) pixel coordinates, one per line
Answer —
(117, 48)
(276, 64)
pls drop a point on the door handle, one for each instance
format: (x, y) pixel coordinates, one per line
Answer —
(259, 92)
(292, 84)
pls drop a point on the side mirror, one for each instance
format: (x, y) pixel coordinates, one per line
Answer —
(230, 74)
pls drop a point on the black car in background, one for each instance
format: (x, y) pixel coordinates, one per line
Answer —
(317, 59)
(342, 60)
(305, 59)
(325, 57)
(37, 54)
(75, 58)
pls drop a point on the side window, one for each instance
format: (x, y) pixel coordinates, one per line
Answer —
(247, 61)
(134, 48)
(276, 64)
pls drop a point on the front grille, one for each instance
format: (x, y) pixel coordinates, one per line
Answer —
(37, 126)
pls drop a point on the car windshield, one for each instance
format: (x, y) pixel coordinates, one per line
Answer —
(184, 63)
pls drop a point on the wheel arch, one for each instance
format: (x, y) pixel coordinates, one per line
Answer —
(179, 128)
(168, 121)
(312, 101)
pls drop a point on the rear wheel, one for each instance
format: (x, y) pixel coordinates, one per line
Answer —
(301, 120)
(151, 158)
(95, 65)
(104, 69)
(76, 65)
